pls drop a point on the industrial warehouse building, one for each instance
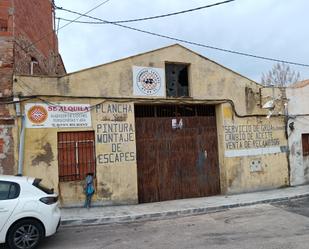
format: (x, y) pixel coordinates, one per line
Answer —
(162, 125)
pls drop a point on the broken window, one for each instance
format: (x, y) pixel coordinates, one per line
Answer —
(176, 80)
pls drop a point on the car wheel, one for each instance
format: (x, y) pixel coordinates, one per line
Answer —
(25, 234)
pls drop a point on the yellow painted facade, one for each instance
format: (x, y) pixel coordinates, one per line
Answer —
(243, 140)
(115, 179)
(251, 147)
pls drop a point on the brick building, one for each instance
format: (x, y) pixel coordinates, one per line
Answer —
(28, 46)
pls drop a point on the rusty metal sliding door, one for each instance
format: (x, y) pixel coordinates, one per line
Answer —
(176, 163)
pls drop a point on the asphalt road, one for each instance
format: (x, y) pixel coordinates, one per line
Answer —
(300, 206)
(283, 225)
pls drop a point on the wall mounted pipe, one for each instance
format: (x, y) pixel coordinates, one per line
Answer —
(21, 146)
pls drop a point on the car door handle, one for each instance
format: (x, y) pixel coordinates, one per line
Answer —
(3, 210)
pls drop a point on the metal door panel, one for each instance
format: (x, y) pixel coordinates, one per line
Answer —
(175, 164)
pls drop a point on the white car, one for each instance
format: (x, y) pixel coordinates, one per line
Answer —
(28, 212)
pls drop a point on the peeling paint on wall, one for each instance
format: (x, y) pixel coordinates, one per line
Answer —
(235, 177)
(46, 156)
(104, 191)
(299, 162)
(5, 148)
(250, 100)
(5, 138)
(227, 112)
(306, 168)
(297, 127)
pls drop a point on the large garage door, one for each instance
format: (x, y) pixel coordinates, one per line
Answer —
(176, 152)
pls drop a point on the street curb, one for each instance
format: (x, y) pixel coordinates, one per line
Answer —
(169, 214)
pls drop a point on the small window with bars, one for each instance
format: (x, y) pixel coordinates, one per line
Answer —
(76, 155)
(305, 144)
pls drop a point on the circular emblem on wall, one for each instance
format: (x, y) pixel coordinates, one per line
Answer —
(149, 81)
(37, 114)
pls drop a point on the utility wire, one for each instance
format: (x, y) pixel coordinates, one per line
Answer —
(49, 33)
(189, 42)
(152, 17)
(16, 101)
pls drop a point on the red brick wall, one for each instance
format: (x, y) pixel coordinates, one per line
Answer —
(6, 50)
(34, 24)
(6, 67)
(33, 19)
(6, 74)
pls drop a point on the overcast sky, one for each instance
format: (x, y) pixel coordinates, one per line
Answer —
(271, 28)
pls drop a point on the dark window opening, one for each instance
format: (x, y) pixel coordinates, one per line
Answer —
(177, 83)
(76, 155)
(34, 66)
(305, 144)
(3, 25)
(166, 111)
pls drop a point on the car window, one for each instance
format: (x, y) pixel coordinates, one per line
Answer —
(37, 183)
(9, 190)
(4, 190)
(14, 191)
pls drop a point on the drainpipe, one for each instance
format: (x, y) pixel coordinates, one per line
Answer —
(21, 137)
(21, 146)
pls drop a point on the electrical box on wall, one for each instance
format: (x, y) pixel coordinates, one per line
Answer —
(256, 165)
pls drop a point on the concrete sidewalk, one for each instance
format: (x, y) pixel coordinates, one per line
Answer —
(175, 208)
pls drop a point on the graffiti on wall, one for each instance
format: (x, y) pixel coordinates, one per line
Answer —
(115, 133)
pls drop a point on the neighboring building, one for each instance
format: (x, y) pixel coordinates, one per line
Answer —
(298, 129)
(28, 45)
(162, 125)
